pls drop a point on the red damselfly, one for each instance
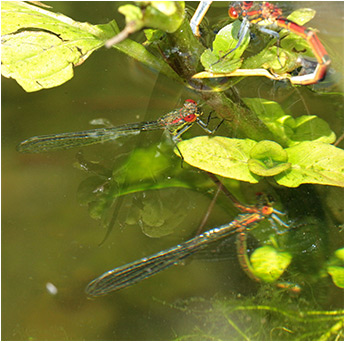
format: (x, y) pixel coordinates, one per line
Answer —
(241, 237)
(144, 268)
(176, 122)
(265, 14)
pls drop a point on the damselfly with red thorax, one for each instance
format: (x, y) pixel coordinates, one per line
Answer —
(175, 122)
(132, 273)
(267, 16)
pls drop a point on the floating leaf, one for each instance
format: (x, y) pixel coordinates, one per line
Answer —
(163, 15)
(268, 149)
(308, 162)
(220, 155)
(268, 159)
(313, 162)
(268, 263)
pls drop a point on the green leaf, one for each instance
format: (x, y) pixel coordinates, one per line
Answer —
(133, 15)
(307, 162)
(223, 156)
(145, 169)
(289, 131)
(335, 267)
(295, 46)
(268, 149)
(340, 254)
(337, 274)
(153, 35)
(269, 263)
(302, 15)
(164, 15)
(164, 212)
(273, 116)
(225, 41)
(311, 128)
(313, 162)
(40, 48)
(269, 58)
(268, 159)
(210, 62)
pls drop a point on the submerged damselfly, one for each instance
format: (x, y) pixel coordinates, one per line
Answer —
(139, 270)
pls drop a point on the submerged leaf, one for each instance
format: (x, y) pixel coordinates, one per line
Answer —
(269, 263)
(290, 131)
(340, 254)
(311, 128)
(145, 169)
(337, 274)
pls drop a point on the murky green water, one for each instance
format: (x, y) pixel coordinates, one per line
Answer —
(48, 237)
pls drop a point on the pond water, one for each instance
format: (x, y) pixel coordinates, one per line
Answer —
(51, 245)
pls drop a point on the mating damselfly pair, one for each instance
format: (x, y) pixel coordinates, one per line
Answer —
(267, 16)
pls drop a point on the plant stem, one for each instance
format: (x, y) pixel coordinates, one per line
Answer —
(182, 51)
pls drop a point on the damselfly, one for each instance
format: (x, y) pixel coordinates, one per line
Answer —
(176, 122)
(264, 15)
(137, 271)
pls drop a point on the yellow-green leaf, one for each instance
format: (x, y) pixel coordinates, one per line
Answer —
(223, 156)
(40, 48)
(313, 162)
(269, 263)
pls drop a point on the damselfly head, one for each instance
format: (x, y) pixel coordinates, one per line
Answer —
(191, 101)
(239, 9)
(191, 111)
(267, 210)
(235, 10)
(265, 203)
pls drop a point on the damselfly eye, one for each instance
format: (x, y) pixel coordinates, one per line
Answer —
(190, 117)
(233, 13)
(267, 210)
(191, 101)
